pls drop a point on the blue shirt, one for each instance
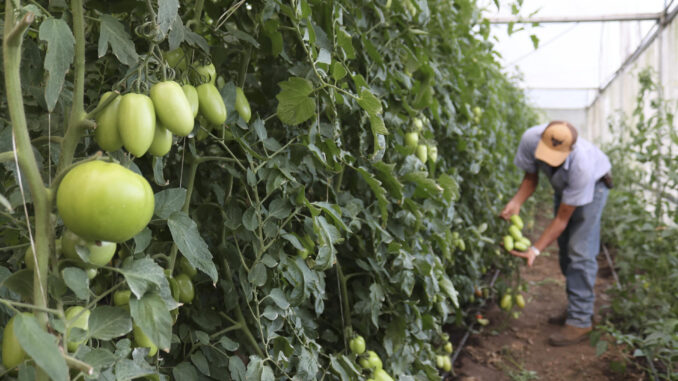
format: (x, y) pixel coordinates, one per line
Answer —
(575, 180)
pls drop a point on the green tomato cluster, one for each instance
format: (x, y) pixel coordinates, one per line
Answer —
(515, 239)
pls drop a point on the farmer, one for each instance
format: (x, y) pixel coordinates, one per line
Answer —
(580, 175)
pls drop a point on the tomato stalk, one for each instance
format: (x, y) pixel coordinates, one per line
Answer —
(345, 305)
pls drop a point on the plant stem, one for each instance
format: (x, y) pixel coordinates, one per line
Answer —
(346, 309)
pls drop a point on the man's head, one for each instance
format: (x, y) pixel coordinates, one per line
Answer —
(557, 141)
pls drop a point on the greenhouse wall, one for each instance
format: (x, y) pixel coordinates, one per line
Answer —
(620, 95)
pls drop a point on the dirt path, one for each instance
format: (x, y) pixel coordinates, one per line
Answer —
(518, 349)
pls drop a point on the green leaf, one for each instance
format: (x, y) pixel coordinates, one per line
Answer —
(185, 371)
(333, 211)
(113, 33)
(535, 41)
(329, 234)
(142, 240)
(450, 187)
(151, 315)
(76, 279)
(60, 53)
(228, 344)
(20, 282)
(99, 358)
(346, 43)
(448, 288)
(257, 371)
(236, 368)
(423, 182)
(198, 359)
(379, 192)
(250, 220)
(126, 369)
(40, 346)
(257, 275)
(144, 275)
(167, 12)
(279, 208)
(279, 298)
(295, 106)
(370, 104)
(308, 365)
(107, 323)
(385, 173)
(187, 238)
(169, 201)
(338, 71)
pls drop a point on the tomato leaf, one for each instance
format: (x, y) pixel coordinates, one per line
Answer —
(60, 53)
(294, 104)
(151, 315)
(113, 33)
(144, 275)
(185, 371)
(20, 282)
(40, 346)
(76, 279)
(127, 369)
(167, 12)
(99, 358)
(379, 192)
(107, 322)
(169, 201)
(187, 238)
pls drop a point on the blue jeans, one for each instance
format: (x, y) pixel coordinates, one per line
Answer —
(578, 247)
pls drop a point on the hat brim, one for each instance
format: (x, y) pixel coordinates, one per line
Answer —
(550, 156)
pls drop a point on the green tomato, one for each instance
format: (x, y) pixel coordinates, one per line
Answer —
(121, 297)
(102, 201)
(526, 241)
(187, 268)
(440, 361)
(357, 345)
(433, 153)
(173, 107)
(520, 246)
(12, 353)
(516, 220)
(76, 317)
(174, 288)
(192, 96)
(211, 104)
(422, 152)
(144, 341)
(29, 259)
(107, 133)
(303, 253)
(520, 300)
(100, 252)
(506, 302)
(508, 242)
(411, 139)
(176, 59)
(136, 123)
(205, 74)
(242, 105)
(447, 364)
(162, 141)
(186, 290)
(448, 347)
(91, 273)
(515, 232)
(381, 375)
(373, 360)
(417, 124)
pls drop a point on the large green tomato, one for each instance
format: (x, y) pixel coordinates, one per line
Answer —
(100, 252)
(142, 340)
(211, 104)
(357, 345)
(107, 134)
(205, 74)
(192, 96)
(417, 124)
(162, 141)
(186, 290)
(102, 201)
(242, 105)
(381, 375)
(433, 153)
(422, 152)
(373, 360)
(12, 353)
(412, 139)
(77, 317)
(172, 107)
(136, 123)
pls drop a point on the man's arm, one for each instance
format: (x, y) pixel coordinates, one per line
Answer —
(550, 234)
(527, 187)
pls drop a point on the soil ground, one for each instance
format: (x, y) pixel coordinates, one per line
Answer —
(517, 349)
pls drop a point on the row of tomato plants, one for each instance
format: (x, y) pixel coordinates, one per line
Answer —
(306, 220)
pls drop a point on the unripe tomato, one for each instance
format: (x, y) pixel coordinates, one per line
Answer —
(448, 347)
(242, 105)
(176, 59)
(162, 141)
(172, 107)
(186, 290)
(303, 253)
(422, 153)
(29, 260)
(515, 232)
(142, 340)
(411, 139)
(447, 364)
(433, 153)
(121, 297)
(440, 361)
(107, 134)
(174, 288)
(12, 353)
(211, 104)
(91, 273)
(520, 246)
(506, 302)
(192, 96)
(185, 267)
(516, 220)
(205, 74)
(508, 242)
(526, 241)
(357, 345)
(520, 300)
(77, 317)
(417, 124)
(105, 201)
(136, 123)
(100, 252)
(364, 363)
(373, 360)
(381, 375)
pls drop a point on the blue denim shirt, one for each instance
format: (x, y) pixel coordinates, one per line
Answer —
(574, 181)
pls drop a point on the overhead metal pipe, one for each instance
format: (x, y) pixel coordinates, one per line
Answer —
(654, 16)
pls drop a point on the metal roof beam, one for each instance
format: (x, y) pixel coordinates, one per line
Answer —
(655, 16)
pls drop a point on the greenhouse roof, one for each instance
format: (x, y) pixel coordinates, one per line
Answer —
(577, 54)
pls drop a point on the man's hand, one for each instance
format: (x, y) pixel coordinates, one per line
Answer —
(513, 207)
(530, 255)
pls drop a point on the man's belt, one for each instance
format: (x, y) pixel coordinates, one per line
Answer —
(607, 180)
